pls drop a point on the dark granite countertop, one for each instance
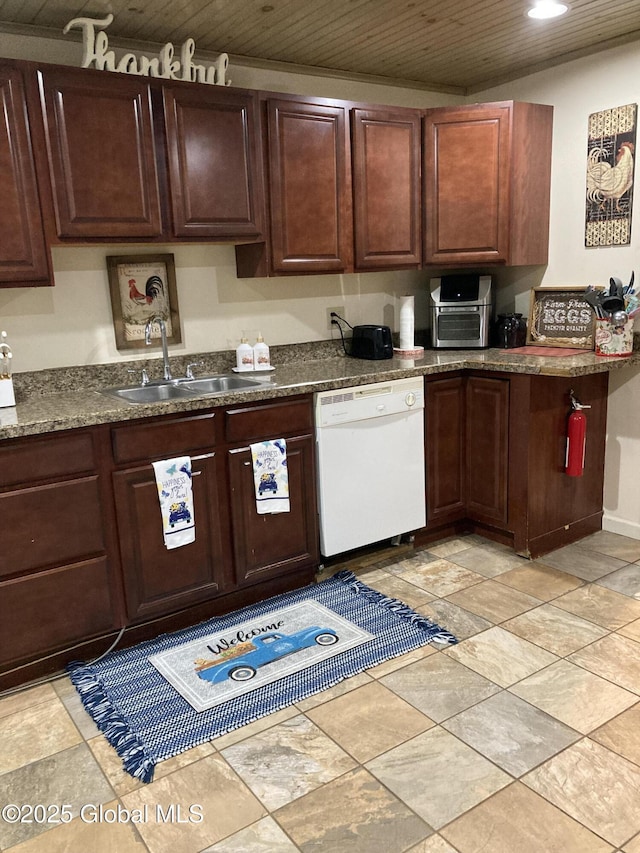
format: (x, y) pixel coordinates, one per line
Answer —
(66, 398)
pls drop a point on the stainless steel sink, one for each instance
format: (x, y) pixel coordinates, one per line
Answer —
(149, 393)
(181, 389)
(219, 384)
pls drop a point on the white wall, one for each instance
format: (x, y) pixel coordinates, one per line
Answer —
(576, 90)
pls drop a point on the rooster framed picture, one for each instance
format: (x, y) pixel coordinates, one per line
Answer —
(143, 287)
(610, 165)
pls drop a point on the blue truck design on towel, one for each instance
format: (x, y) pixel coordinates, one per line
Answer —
(242, 662)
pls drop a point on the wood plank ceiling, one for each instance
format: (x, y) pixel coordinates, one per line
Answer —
(461, 46)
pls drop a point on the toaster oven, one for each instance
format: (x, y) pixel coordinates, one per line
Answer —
(460, 311)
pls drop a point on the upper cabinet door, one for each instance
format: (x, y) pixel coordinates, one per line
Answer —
(467, 185)
(101, 153)
(215, 170)
(387, 150)
(310, 187)
(23, 251)
(487, 184)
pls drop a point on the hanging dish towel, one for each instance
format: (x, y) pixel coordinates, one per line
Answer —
(173, 477)
(270, 476)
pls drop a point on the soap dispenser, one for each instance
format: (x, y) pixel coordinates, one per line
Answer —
(260, 354)
(244, 355)
(7, 397)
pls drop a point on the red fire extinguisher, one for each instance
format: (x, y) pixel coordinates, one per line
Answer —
(576, 439)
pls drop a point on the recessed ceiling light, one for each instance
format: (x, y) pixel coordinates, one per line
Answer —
(544, 9)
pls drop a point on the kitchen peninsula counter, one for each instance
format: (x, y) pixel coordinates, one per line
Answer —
(68, 398)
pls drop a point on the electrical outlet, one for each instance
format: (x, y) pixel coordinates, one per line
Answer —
(339, 310)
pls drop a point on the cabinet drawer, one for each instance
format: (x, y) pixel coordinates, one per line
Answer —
(54, 609)
(50, 525)
(271, 420)
(163, 439)
(43, 459)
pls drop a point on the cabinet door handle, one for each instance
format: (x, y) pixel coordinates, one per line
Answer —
(196, 473)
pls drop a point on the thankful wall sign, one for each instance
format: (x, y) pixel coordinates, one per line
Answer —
(166, 64)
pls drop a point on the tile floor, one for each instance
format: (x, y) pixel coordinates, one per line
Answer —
(523, 738)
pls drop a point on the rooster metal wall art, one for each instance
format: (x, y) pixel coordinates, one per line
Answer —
(610, 164)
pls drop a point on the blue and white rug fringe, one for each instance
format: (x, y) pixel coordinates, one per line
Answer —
(158, 724)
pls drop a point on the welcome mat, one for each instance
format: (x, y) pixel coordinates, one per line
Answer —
(162, 697)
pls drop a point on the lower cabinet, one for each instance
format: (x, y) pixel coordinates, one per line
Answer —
(267, 545)
(487, 448)
(495, 450)
(58, 581)
(234, 546)
(158, 580)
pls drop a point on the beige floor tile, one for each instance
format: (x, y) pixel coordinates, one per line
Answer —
(511, 732)
(605, 542)
(540, 581)
(440, 577)
(632, 846)
(446, 547)
(625, 581)
(35, 732)
(593, 785)
(396, 587)
(265, 836)
(461, 623)
(439, 686)
(556, 630)
(22, 699)
(251, 729)
(600, 605)
(500, 656)
(578, 698)
(90, 834)
(622, 734)
(71, 700)
(438, 776)
(433, 844)
(71, 777)
(494, 601)
(369, 721)
(516, 820)
(354, 813)
(287, 761)
(582, 562)
(632, 630)
(123, 782)
(615, 658)
(209, 803)
(337, 690)
(401, 661)
(488, 560)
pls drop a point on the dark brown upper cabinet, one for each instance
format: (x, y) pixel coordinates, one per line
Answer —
(387, 151)
(132, 158)
(487, 184)
(102, 156)
(215, 169)
(309, 187)
(24, 256)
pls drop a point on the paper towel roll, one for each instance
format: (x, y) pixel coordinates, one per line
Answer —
(406, 322)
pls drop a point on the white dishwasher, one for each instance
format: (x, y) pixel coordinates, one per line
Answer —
(370, 450)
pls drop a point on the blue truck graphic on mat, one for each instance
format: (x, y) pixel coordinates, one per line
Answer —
(242, 662)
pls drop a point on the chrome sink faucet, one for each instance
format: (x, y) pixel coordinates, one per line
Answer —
(165, 350)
